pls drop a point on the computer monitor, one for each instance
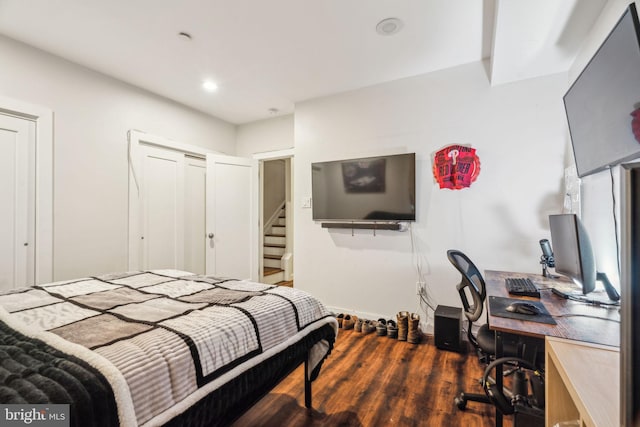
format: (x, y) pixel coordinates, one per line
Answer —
(574, 256)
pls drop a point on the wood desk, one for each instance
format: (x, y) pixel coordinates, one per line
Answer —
(583, 383)
(574, 320)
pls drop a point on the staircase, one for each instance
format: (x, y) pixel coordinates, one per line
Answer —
(274, 248)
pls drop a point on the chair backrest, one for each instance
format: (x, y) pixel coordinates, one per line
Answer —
(472, 283)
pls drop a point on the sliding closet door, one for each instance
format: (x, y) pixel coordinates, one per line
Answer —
(177, 200)
(167, 210)
(17, 198)
(194, 226)
(162, 209)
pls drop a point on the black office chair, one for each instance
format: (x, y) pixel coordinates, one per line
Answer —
(472, 287)
(527, 408)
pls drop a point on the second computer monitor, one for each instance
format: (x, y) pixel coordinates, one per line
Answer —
(572, 250)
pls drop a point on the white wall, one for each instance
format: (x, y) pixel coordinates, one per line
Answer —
(519, 132)
(265, 135)
(92, 114)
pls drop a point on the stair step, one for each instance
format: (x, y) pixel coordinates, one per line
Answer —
(275, 240)
(273, 250)
(272, 262)
(287, 283)
(273, 275)
(270, 270)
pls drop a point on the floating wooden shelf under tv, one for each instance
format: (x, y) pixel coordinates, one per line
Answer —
(363, 225)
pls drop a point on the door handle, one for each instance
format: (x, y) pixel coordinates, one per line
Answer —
(211, 235)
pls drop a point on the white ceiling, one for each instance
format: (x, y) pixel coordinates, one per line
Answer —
(272, 54)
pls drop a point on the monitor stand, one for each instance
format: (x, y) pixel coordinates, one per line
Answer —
(612, 293)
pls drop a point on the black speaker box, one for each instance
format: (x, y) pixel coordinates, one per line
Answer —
(447, 328)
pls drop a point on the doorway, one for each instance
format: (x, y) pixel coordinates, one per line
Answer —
(276, 213)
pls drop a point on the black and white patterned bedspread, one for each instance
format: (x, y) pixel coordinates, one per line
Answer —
(165, 338)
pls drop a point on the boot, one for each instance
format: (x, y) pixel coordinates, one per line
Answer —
(403, 325)
(414, 334)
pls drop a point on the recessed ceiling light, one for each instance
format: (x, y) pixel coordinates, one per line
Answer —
(273, 111)
(184, 36)
(209, 86)
(389, 26)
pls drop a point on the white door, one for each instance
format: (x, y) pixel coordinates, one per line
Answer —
(162, 209)
(17, 197)
(232, 220)
(195, 238)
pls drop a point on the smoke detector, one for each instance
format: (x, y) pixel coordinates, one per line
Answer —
(389, 26)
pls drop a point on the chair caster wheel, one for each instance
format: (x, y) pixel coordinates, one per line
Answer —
(461, 402)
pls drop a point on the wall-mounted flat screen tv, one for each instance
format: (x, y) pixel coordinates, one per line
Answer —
(600, 102)
(379, 188)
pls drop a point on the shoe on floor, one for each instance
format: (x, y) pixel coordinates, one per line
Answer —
(340, 318)
(392, 329)
(358, 325)
(381, 328)
(368, 326)
(349, 321)
(403, 325)
(414, 335)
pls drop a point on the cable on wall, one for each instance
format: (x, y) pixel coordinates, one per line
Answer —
(425, 301)
(615, 220)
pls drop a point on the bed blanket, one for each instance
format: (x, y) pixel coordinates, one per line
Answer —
(164, 339)
(32, 372)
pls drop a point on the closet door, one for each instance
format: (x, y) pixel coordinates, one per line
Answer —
(195, 237)
(17, 198)
(232, 220)
(162, 209)
(177, 200)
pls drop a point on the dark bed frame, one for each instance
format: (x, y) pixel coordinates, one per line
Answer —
(229, 402)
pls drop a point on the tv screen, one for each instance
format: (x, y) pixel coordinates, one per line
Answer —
(367, 189)
(600, 102)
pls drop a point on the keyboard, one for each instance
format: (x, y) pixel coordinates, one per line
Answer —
(521, 287)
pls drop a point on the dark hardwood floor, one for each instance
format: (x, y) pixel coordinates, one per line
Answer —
(377, 381)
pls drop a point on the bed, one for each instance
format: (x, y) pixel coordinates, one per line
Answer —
(160, 347)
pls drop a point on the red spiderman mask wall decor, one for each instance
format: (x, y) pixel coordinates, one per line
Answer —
(456, 166)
